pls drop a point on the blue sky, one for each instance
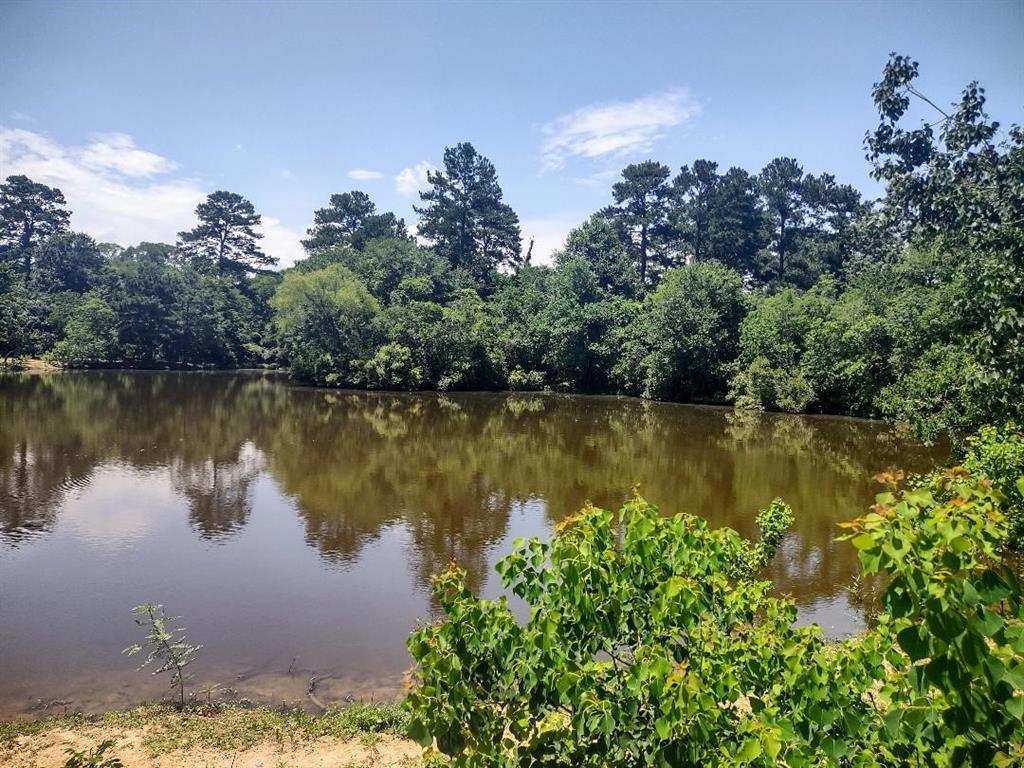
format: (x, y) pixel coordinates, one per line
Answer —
(137, 110)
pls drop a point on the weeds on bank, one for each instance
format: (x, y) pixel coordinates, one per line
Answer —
(93, 758)
(223, 727)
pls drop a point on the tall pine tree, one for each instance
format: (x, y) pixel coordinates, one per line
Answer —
(351, 218)
(225, 236)
(464, 217)
(641, 214)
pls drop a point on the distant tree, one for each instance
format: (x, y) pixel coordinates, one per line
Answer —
(163, 253)
(325, 320)
(691, 324)
(695, 190)
(520, 304)
(384, 265)
(351, 218)
(463, 215)
(781, 184)
(737, 230)
(143, 288)
(225, 236)
(210, 320)
(640, 213)
(14, 336)
(582, 321)
(468, 339)
(833, 210)
(597, 243)
(68, 262)
(90, 335)
(718, 217)
(29, 213)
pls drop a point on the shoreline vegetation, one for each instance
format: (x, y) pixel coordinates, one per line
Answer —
(776, 289)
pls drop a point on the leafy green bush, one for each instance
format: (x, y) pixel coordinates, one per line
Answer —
(325, 322)
(90, 334)
(767, 372)
(998, 454)
(651, 642)
(393, 367)
(93, 758)
(760, 385)
(525, 381)
(950, 644)
(691, 327)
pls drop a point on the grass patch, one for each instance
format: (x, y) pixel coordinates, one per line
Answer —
(14, 729)
(226, 727)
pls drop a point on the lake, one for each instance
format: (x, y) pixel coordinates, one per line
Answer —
(297, 529)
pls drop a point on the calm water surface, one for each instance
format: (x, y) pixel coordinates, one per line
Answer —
(297, 529)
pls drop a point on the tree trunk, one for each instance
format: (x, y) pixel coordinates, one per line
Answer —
(26, 248)
(782, 247)
(643, 256)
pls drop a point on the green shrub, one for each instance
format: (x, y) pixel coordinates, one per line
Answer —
(759, 386)
(93, 758)
(525, 381)
(998, 454)
(90, 334)
(393, 367)
(325, 324)
(651, 642)
(951, 688)
(691, 327)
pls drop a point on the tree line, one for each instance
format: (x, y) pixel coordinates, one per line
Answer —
(779, 289)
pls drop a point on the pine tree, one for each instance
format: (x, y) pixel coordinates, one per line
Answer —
(463, 215)
(225, 236)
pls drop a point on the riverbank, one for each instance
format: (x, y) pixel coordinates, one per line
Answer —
(28, 365)
(161, 736)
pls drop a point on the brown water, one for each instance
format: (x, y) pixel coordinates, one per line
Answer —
(297, 529)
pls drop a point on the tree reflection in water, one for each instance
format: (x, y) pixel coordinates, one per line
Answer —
(450, 467)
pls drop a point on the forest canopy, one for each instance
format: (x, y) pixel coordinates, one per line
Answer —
(772, 288)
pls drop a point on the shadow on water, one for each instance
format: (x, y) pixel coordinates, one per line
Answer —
(217, 488)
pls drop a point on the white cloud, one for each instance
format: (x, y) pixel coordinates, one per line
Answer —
(117, 152)
(361, 174)
(616, 129)
(105, 201)
(411, 180)
(280, 241)
(549, 234)
(110, 193)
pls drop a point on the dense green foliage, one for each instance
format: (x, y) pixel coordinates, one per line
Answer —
(998, 453)
(651, 641)
(325, 320)
(778, 289)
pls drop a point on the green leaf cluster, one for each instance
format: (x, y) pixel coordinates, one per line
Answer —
(651, 641)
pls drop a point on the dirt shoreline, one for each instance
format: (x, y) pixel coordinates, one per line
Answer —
(160, 736)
